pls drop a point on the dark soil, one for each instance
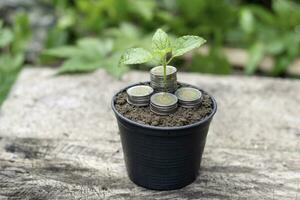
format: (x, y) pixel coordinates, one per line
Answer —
(183, 116)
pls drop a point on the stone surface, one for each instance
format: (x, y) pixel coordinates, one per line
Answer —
(59, 139)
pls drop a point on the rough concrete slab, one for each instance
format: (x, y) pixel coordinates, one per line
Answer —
(60, 139)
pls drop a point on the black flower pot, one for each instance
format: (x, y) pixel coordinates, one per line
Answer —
(162, 158)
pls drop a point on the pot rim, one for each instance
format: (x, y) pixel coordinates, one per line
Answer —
(164, 128)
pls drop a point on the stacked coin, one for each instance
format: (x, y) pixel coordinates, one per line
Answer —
(139, 95)
(189, 97)
(163, 103)
(157, 79)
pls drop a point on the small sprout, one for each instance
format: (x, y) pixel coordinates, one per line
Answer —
(162, 47)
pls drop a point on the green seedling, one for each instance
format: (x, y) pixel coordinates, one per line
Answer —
(163, 49)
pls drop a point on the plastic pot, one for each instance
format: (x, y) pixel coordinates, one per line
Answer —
(162, 158)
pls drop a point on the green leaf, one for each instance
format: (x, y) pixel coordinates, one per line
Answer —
(275, 47)
(78, 65)
(135, 56)
(185, 44)
(281, 64)
(9, 69)
(256, 54)
(214, 63)
(144, 8)
(18, 60)
(21, 31)
(63, 52)
(91, 49)
(112, 67)
(96, 47)
(67, 19)
(124, 31)
(247, 21)
(161, 43)
(10, 63)
(263, 15)
(6, 37)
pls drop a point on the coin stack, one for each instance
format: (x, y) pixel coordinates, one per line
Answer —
(189, 97)
(139, 95)
(163, 103)
(157, 79)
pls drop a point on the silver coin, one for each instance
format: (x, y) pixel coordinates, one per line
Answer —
(163, 83)
(169, 90)
(160, 83)
(159, 70)
(189, 105)
(188, 94)
(189, 97)
(139, 104)
(163, 103)
(164, 99)
(158, 111)
(139, 95)
(139, 91)
(164, 88)
(161, 78)
(167, 82)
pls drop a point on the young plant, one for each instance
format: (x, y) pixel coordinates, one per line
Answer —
(163, 49)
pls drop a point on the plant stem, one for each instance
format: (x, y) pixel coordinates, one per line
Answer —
(165, 71)
(170, 60)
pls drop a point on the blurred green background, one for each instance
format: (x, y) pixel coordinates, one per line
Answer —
(79, 36)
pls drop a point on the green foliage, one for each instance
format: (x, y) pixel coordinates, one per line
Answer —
(256, 54)
(6, 36)
(9, 68)
(12, 45)
(88, 34)
(91, 53)
(224, 22)
(21, 32)
(135, 56)
(247, 21)
(235, 23)
(87, 55)
(185, 44)
(161, 47)
(213, 63)
(204, 17)
(161, 43)
(127, 35)
(274, 34)
(81, 18)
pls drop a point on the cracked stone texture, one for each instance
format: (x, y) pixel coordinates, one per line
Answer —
(59, 139)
